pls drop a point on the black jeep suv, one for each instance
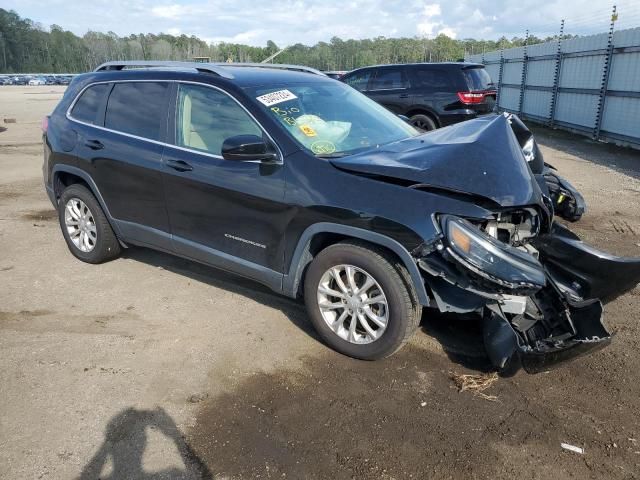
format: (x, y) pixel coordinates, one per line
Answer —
(431, 95)
(298, 181)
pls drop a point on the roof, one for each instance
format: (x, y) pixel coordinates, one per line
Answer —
(433, 64)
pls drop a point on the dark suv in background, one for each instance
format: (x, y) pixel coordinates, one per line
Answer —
(431, 95)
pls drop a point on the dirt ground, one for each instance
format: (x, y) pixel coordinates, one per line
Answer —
(151, 367)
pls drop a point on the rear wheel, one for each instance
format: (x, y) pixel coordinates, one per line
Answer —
(85, 226)
(423, 122)
(359, 301)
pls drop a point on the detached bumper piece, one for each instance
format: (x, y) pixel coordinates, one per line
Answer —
(544, 336)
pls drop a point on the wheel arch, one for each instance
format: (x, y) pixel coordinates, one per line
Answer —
(65, 175)
(320, 235)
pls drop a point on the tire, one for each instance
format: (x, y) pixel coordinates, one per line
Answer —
(423, 122)
(391, 281)
(101, 243)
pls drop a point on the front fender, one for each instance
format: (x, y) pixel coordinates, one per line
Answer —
(301, 256)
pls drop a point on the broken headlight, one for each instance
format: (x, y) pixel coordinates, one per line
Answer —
(501, 264)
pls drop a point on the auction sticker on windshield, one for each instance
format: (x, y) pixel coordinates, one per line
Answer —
(275, 97)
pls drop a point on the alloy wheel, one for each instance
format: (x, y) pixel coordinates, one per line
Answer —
(80, 225)
(353, 304)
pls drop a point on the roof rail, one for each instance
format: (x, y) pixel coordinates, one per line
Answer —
(200, 67)
(280, 66)
(220, 69)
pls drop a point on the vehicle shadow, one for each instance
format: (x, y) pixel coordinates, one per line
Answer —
(293, 309)
(460, 336)
(125, 443)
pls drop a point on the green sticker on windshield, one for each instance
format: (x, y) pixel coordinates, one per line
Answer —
(323, 147)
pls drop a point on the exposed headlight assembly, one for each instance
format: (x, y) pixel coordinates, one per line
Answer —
(505, 266)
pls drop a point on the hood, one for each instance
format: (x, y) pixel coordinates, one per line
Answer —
(479, 157)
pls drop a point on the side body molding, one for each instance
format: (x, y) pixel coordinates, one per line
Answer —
(302, 256)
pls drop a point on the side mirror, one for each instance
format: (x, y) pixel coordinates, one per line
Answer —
(243, 148)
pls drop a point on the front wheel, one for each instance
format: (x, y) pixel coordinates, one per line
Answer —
(360, 300)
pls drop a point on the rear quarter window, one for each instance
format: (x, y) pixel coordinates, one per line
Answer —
(432, 79)
(87, 106)
(137, 108)
(477, 78)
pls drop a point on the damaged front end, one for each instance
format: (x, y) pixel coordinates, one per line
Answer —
(567, 202)
(539, 289)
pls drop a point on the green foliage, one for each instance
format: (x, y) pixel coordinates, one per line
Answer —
(26, 46)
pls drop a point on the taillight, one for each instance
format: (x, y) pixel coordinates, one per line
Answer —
(470, 97)
(45, 124)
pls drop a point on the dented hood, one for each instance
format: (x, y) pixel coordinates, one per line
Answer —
(479, 157)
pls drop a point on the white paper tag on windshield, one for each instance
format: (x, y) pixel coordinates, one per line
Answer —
(275, 97)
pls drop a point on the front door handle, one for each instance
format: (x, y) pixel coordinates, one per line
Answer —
(404, 95)
(179, 165)
(94, 144)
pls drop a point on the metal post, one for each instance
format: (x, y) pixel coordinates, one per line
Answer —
(556, 78)
(500, 75)
(605, 76)
(523, 84)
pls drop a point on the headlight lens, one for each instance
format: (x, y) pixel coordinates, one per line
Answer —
(484, 255)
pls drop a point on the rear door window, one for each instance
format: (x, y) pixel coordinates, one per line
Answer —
(137, 108)
(477, 78)
(389, 79)
(87, 106)
(432, 79)
(359, 80)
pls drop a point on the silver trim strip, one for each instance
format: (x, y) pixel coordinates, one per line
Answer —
(219, 68)
(186, 149)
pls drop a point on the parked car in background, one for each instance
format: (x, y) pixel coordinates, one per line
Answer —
(38, 81)
(431, 95)
(19, 80)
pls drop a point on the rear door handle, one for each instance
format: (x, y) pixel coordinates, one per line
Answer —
(94, 144)
(179, 165)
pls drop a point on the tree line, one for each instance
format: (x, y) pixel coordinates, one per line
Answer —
(27, 46)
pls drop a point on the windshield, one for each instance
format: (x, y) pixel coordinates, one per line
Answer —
(331, 119)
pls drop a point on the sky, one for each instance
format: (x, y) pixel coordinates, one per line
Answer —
(287, 22)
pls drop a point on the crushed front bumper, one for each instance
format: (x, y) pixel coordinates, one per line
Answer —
(561, 321)
(585, 334)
